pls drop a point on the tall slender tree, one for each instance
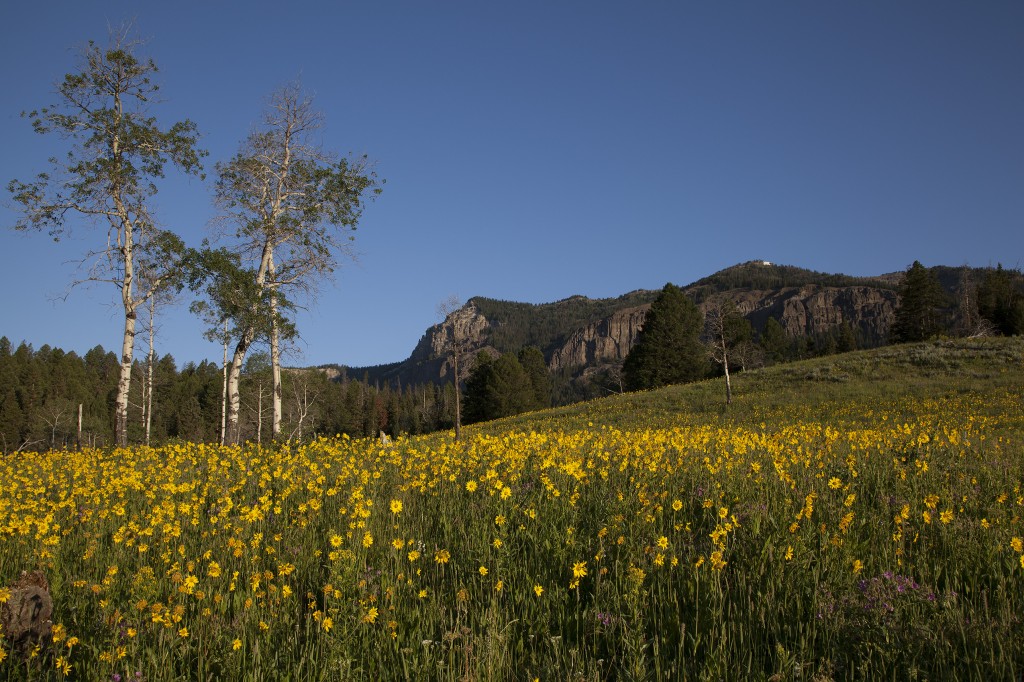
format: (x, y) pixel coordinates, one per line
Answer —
(456, 348)
(724, 330)
(291, 208)
(108, 176)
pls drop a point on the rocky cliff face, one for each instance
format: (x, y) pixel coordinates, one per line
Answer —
(814, 309)
(429, 361)
(603, 342)
(465, 323)
(806, 310)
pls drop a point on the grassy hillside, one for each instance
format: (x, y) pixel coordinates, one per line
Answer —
(860, 379)
(851, 517)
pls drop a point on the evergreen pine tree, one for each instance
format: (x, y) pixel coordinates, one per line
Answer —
(774, 341)
(478, 399)
(532, 361)
(919, 314)
(1001, 301)
(668, 349)
(847, 339)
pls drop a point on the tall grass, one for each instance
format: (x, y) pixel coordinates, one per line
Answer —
(854, 517)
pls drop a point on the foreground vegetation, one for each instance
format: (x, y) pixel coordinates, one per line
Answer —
(851, 517)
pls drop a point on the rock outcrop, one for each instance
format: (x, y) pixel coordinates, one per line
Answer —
(430, 359)
(603, 342)
(26, 616)
(802, 311)
(813, 309)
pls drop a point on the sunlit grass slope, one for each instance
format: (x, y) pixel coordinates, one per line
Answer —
(850, 517)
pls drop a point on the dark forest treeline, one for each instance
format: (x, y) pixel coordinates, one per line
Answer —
(41, 390)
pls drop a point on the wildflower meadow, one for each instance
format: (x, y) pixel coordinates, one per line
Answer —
(853, 517)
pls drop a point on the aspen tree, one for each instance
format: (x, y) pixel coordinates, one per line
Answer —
(116, 154)
(290, 208)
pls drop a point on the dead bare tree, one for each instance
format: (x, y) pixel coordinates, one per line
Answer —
(455, 346)
(749, 355)
(304, 401)
(724, 328)
(967, 317)
(161, 295)
(54, 414)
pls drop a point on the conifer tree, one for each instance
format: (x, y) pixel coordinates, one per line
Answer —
(498, 388)
(668, 349)
(918, 316)
(774, 341)
(1001, 300)
(532, 361)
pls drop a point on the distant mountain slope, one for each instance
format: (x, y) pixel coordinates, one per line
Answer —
(763, 276)
(579, 335)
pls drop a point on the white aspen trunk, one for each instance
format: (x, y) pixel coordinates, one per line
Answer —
(233, 375)
(235, 370)
(149, 370)
(142, 400)
(125, 382)
(259, 416)
(725, 365)
(275, 361)
(224, 389)
(126, 244)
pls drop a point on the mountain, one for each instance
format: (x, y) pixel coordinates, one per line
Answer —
(580, 336)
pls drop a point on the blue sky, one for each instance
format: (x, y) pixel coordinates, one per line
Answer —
(537, 150)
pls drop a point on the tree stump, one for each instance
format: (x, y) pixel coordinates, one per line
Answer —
(25, 619)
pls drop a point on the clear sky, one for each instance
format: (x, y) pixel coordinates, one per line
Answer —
(537, 150)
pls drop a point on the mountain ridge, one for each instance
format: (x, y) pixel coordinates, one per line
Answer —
(578, 333)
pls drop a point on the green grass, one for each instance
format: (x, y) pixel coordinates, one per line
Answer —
(851, 517)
